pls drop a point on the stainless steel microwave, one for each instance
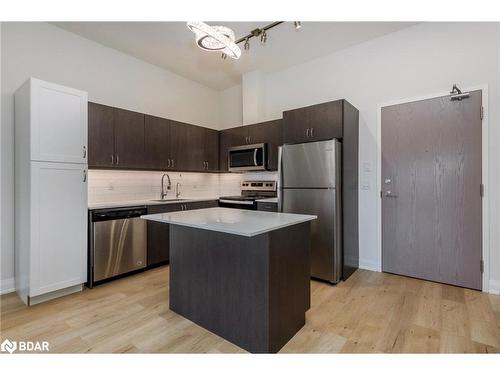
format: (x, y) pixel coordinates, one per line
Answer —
(248, 158)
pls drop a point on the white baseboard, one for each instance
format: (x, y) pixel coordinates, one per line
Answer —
(369, 265)
(495, 287)
(7, 286)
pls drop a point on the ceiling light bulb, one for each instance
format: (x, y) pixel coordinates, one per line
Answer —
(263, 37)
(246, 45)
(297, 25)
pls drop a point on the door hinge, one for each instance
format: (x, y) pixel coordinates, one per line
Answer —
(481, 113)
(481, 266)
(481, 190)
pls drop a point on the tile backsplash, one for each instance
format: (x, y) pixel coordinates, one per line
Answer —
(116, 186)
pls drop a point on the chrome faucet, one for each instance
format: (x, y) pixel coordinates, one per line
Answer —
(169, 186)
(177, 189)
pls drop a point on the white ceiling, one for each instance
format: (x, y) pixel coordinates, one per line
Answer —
(171, 45)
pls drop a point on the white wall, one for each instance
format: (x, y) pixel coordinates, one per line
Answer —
(231, 107)
(110, 77)
(420, 60)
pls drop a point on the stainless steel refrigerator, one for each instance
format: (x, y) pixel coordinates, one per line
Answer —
(309, 183)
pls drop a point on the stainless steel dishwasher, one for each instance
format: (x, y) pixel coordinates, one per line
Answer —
(118, 243)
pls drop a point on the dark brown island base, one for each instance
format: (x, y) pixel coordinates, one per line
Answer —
(243, 275)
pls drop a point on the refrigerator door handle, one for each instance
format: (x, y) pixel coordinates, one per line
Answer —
(280, 179)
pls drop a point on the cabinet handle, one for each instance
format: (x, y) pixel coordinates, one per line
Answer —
(84, 175)
(84, 152)
(112, 159)
(117, 159)
(312, 132)
(307, 132)
(168, 163)
(173, 163)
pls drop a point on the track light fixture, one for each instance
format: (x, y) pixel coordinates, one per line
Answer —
(263, 37)
(222, 39)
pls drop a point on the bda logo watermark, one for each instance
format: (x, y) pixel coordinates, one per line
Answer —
(8, 346)
(24, 346)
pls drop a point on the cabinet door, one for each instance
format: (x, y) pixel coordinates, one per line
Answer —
(315, 123)
(156, 142)
(229, 138)
(211, 140)
(187, 146)
(325, 120)
(58, 226)
(58, 123)
(129, 139)
(200, 205)
(101, 135)
(158, 235)
(268, 132)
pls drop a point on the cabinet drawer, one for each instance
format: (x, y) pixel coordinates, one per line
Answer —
(267, 206)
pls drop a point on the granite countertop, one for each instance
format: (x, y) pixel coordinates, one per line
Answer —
(247, 223)
(146, 202)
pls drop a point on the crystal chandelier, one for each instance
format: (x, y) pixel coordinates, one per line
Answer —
(215, 38)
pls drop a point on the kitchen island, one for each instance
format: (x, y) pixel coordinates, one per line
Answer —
(243, 275)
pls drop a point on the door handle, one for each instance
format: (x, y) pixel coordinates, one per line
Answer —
(390, 194)
(84, 175)
(84, 152)
(255, 156)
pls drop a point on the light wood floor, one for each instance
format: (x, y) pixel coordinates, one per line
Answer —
(371, 312)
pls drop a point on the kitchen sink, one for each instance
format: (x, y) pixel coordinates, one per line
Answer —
(168, 200)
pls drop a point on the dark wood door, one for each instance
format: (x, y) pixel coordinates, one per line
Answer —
(229, 138)
(156, 142)
(268, 132)
(158, 235)
(314, 123)
(431, 202)
(211, 149)
(101, 141)
(129, 139)
(187, 146)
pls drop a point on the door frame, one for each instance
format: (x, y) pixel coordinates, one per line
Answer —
(484, 172)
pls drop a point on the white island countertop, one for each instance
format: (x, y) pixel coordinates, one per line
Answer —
(247, 223)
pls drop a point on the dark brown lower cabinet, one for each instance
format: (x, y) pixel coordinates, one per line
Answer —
(267, 206)
(158, 233)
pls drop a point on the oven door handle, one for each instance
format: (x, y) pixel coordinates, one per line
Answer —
(248, 203)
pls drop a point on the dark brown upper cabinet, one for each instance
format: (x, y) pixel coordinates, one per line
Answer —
(229, 138)
(129, 139)
(156, 143)
(101, 138)
(268, 132)
(211, 150)
(186, 146)
(314, 123)
(264, 132)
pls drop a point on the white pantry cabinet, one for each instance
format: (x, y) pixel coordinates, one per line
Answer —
(58, 123)
(51, 190)
(59, 226)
